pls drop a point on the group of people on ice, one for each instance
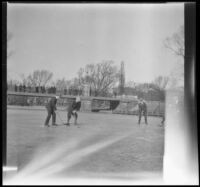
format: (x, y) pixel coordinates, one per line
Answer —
(71, 111)
(74, 107)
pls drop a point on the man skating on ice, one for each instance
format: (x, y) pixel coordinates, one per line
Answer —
(51, 108)
(142, 109)
(72, 110)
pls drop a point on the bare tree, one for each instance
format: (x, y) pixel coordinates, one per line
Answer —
(142, 87)
(81, 76)
(25, 80)
(100, 77)
(161, 82)
(176, 42)
(40, 77)
(60, 84)
(131, 84)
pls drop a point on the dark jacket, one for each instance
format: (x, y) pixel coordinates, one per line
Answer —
(142, 106)
(52, 104)
(77, 106)
(71, 107)
(74, 106)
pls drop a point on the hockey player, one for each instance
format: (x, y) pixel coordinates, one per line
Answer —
(73, 109)
(51, 108)
(142, 109)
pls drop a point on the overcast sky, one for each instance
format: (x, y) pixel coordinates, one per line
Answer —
(64, 37)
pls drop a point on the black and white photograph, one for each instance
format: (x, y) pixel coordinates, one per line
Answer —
(95, 94)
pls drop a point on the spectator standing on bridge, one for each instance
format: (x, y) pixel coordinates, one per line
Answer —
(16, 88)
(142, 109)
(24, 88)
(51, 108)
(20, 88)
(73, 109)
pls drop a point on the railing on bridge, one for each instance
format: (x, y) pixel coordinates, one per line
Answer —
(117, 105)
(88, 102)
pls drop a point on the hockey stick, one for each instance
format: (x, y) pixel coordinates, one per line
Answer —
(60, 118)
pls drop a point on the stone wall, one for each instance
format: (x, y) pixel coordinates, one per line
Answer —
(86, 105)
